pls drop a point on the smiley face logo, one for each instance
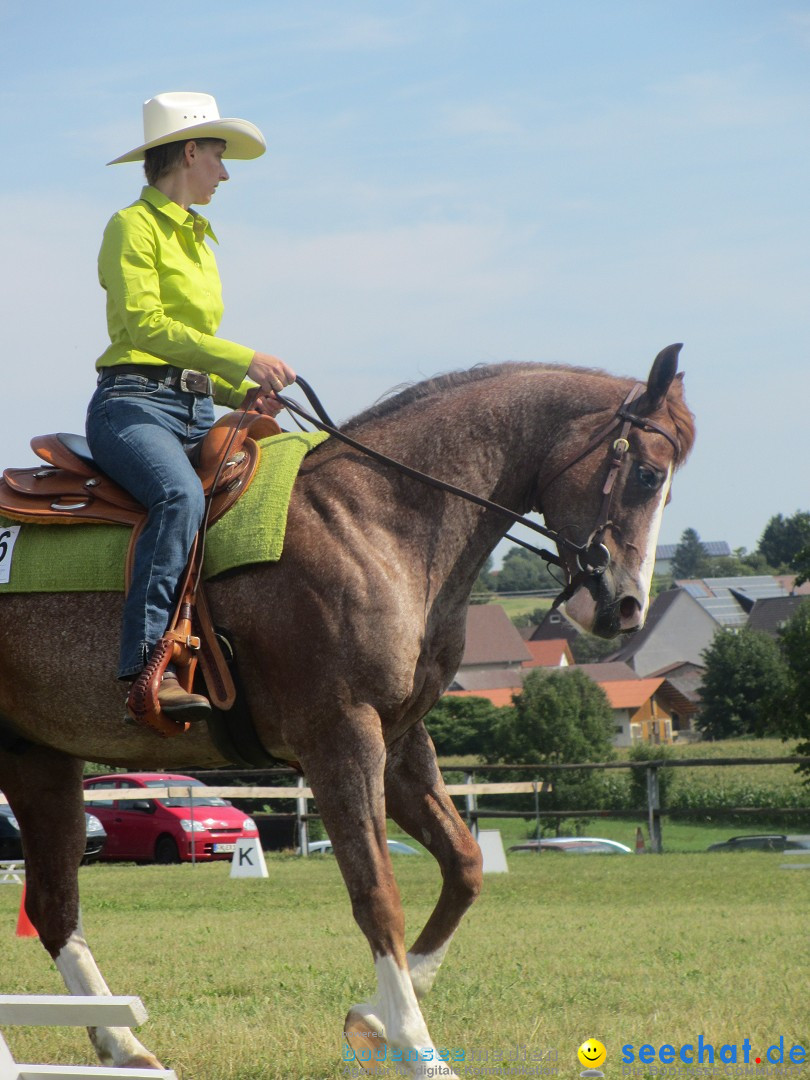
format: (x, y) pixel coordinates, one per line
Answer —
(592, 1054)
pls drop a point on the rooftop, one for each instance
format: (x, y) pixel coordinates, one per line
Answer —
(729, 600)
(714, 548)
(772, 613)
(552, 652)
(492, 638)
(630, 694)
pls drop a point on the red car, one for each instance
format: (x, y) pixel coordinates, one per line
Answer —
(166, 830)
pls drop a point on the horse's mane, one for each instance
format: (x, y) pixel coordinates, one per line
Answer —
(399, 397)
(406, 393)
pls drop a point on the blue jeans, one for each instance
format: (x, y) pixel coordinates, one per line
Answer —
(141, 434)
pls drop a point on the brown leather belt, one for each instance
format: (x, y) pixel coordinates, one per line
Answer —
(193, 382)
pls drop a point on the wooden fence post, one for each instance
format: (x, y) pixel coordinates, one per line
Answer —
(191, 817)
(654, 810)
(303, 826)
(472, 807)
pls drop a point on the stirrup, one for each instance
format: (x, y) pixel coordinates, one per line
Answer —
(142, 702)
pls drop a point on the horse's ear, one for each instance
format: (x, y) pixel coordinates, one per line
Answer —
(662, 374)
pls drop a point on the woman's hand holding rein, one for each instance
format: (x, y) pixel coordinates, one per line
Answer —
(271, 374)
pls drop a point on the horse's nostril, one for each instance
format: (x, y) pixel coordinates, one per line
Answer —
(630, 610)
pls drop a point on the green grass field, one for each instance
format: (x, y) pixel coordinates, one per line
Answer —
(251, 979)
(521, 605)
(781, 782)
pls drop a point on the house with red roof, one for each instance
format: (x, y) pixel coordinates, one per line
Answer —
(497, 659)
(492, 640)
(639, 710)
(554, 652)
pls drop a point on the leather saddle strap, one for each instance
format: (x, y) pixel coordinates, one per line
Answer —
(213, 665)
(177, 646)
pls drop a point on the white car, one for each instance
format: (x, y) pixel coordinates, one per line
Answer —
(575, 845)
(324, 847)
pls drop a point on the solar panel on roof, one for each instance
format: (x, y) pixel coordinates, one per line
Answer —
(762, 585)
(716, 547)
(724, 609)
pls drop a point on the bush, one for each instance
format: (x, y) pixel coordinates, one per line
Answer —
(463, 725)
(744, 685)
(637, 782)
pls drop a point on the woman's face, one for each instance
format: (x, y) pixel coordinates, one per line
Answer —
(205, 169)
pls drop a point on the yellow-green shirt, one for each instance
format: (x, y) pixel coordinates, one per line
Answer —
(164, 296)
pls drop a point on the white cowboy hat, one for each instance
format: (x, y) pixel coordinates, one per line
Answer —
(178, 116)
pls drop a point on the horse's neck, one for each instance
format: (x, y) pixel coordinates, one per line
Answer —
(494, 437)
(490, 438)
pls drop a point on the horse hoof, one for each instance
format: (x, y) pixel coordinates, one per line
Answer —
(366, 1043)
(143, 1061)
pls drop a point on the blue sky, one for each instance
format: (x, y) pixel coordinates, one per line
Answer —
(447, 183)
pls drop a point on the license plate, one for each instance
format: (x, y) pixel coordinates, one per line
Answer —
(224, 847)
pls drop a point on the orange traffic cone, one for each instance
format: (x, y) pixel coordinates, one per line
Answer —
(640, 845)
(25, 928)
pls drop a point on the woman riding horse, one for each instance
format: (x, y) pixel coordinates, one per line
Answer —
(164, 368)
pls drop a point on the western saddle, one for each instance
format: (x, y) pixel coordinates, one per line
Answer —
(71, 489)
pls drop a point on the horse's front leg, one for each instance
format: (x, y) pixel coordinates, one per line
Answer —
(417, 800)
(347, 780)
(44, 790)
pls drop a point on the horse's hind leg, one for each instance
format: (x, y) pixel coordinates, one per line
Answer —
(417, 800)
(44, 790)
(348, 783)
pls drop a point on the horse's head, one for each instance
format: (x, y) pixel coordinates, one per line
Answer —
(608, 496)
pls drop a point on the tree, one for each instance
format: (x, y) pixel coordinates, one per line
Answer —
(523, 571)
(462, 725)
(589, 649)
(558, 718)
(484, 584)
(795, 642)
(690, 559)
(741, 564)
(801, 564)
(784, 540)
(530, 618)
(744, 685)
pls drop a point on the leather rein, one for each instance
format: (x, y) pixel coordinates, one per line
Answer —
(593, 557)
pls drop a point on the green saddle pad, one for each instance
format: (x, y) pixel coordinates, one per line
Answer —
(90, 558)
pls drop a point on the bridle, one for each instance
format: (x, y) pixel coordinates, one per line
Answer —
(593, 557)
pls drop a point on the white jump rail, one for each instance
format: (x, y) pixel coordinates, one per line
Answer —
(64, 1010)
(183, 791)
(12, 871)
(300, 793)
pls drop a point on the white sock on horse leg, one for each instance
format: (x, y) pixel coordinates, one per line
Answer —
(424, 968)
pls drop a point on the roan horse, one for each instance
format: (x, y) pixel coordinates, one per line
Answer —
(349, 640)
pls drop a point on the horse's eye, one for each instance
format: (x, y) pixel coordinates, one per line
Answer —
(647, 477)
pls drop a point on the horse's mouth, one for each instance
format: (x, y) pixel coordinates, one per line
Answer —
(592, 609)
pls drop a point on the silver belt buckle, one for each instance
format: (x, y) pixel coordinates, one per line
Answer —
(194, 382)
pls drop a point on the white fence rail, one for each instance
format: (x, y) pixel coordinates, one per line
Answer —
(61, 1010)
(12, 872)
(301, 794)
